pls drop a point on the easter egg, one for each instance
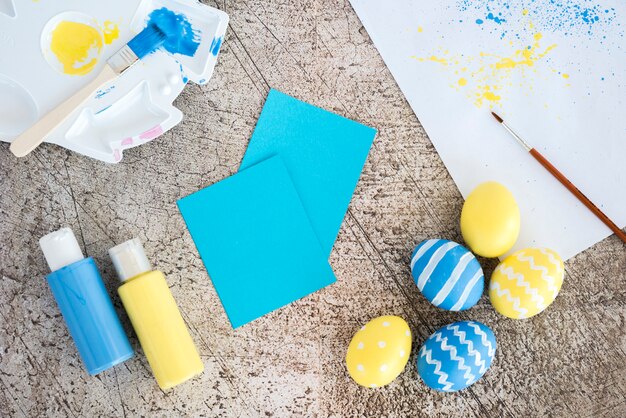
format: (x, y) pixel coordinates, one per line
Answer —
(456, 356)
(490, 220)
(447, 274)
(526, 282)
(379, 351)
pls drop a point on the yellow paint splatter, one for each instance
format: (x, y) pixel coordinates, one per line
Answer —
(486, 76)
(525, 12)
(565, 75)
(433, 58)
(420, 29)
(76, 46)
(486, 93)
(111, 31)
(526, 56)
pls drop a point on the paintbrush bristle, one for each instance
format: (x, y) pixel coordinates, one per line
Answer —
(498, 118)
(147, 41)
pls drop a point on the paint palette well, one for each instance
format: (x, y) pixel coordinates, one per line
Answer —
(198, 67)
(58, 47)
(71, 43)
(17, 108)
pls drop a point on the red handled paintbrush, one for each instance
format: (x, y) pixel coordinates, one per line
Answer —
(564, 181)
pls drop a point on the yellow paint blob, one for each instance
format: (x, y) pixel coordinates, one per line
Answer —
(111, 31)
(76, 46)
(485, 93)
(420, 29)
(525, 12)
(565, 75)
(492, 97)
(462, 81)
(490, 220)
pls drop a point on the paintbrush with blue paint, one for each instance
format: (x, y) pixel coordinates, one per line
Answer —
(144, 43)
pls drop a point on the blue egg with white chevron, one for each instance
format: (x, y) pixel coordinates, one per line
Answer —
(456, 356)
(447, 274)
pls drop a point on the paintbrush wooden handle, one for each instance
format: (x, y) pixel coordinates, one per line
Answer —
(33, 136)
(574, 190)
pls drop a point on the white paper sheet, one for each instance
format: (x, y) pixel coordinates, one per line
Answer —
(555, 71)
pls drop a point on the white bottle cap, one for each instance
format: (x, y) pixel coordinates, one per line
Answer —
(60, 248)
(129, 259)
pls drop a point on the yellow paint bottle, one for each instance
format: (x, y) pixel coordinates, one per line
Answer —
(154, 314)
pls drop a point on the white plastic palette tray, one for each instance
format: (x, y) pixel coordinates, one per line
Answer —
(133, 109)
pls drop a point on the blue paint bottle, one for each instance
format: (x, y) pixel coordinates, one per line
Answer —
(84, 302)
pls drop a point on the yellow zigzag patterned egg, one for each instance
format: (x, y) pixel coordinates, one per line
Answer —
(526, 282)
(379, 351)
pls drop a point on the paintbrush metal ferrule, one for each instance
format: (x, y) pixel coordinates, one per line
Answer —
(123, 60)
(144, 43)
(519, 140)
(523, 143)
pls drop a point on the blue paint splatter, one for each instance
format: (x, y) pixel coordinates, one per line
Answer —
(102, 110)
(215, 45)
(182, 73)
(181, 37)
(570, 17)
(496, 19)
(101, 92)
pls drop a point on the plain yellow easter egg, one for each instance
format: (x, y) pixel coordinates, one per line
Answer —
(490, 220)
(526, 282)
(379, 351)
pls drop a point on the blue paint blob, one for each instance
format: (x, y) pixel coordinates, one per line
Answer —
(181, 37)
(215, 45)
(479, 21)
(496, 19)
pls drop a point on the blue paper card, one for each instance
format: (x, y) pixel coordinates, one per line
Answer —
(256, 241)
(324, 154)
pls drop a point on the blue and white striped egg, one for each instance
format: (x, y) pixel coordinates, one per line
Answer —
(456, 356)
(447, 274)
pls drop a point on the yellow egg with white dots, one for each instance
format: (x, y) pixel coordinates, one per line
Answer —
(379, 351)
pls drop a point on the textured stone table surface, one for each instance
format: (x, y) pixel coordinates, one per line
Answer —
(568, 361)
